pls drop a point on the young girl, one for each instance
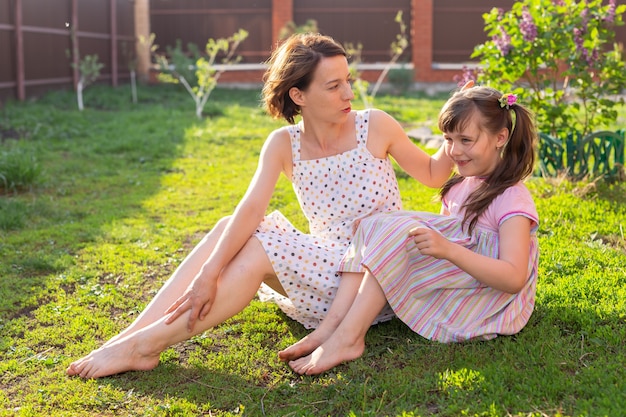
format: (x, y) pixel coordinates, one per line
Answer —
(469, 272)
(338, 161)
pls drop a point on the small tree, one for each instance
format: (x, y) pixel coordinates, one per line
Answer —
(133, 61)
(559, 56)
(88, 67)
(291, 28)
(184, 61)
(89, 71)
(205, 72)
(397, 49)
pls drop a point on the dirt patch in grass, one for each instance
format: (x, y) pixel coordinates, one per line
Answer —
(9, 133)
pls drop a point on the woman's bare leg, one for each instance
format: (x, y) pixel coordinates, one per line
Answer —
(140, 348)
(176, 285)
(348, 288)
(348, 340)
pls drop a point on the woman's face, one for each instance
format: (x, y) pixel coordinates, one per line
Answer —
(330, 92)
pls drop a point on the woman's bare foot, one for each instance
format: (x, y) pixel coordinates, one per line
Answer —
(306, 345)
(114, 358)
(330, 354)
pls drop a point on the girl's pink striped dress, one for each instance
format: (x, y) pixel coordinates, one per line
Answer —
(433, 296)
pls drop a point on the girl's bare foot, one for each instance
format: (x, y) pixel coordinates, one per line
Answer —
(306, 345)
(330, 354)
(114, 358)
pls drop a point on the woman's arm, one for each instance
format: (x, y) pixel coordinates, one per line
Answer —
(388, 137)
(275, 156)
(432, 171)
(508, 273)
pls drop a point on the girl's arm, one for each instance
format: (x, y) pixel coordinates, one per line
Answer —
(387, 137)
(508, 273)
(199, 296)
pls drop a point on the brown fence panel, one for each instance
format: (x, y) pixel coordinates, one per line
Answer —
(197, 21)
(368, 22)
(458, 27)
(46, 44)
(42, 63)
(34, 38)
(125, 29)
(7, 47)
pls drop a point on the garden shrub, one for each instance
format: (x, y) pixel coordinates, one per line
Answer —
(560, 58)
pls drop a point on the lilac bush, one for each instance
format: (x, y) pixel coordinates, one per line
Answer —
(559, 57)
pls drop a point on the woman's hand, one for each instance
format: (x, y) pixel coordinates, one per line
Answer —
(430, 242)
(469, 84)
(198, 298)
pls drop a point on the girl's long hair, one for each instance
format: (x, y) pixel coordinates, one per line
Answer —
(517, 156)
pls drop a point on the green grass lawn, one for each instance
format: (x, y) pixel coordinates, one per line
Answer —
(123, 193)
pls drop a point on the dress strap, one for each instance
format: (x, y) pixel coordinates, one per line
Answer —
(294, 137)
(361, 124)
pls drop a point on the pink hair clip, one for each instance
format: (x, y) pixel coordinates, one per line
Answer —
(507, 100)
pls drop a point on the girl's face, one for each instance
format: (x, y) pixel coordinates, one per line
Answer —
(330, 92)
(475, 152)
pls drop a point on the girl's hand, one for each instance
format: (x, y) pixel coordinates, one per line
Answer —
(198, 298)
(430, 242)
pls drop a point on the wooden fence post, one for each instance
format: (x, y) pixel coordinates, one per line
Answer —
(74, 43)
(422, 38)
(142, 38)
(114, 63)
(282, 13)
(19, 52)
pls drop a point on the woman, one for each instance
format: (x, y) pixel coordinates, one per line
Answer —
(337, 160)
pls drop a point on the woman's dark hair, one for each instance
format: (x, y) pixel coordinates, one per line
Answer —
(518, 155)
(292, 65)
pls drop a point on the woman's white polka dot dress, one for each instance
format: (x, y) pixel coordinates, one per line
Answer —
(334, 194)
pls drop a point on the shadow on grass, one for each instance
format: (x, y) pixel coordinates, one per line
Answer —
(573, 366)
(195, 389)
(97, 167)
(551, 366)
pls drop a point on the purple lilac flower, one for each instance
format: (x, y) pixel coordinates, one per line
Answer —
(468, 74)
(527, 26)
(503, 42)
(590, 57)
(578, 39)
(584, 14)
(558, 2)
(579, 42)
(610, 14)
(579, 33)
(593, 57)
